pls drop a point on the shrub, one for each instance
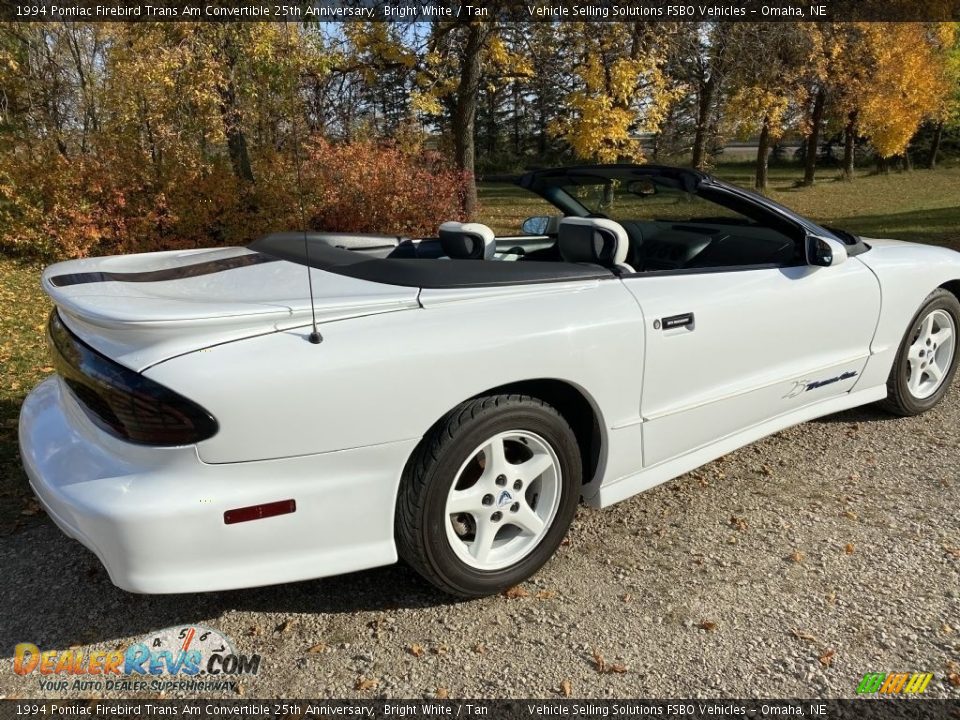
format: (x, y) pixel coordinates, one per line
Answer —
(116, 201)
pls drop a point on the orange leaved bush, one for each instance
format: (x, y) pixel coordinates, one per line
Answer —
(361, 187)
(113, 200)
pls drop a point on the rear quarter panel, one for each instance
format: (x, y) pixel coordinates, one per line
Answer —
(390, 377)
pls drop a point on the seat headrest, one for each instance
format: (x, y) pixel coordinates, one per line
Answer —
(467, 241)
(593, 240)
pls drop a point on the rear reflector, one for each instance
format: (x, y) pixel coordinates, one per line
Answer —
(258, 512)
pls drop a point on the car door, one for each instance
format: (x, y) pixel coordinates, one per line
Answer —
(727, 350)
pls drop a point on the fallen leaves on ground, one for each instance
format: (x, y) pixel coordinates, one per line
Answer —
(318, 648)
(479, 648)
(802, 635)
(416, 650)
(952, 551)
(708, 625)
(602, 666)
(365, 683)
(739, 523)
(796, 557)
(849, 548)
(826, 659)
(515, 593)
(566, 688)
(546, 595)
(850, 515)
(439, 649)
(285, 626)
(442, 693)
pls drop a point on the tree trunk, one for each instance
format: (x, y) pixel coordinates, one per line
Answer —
(465, 113)
(232, 118)
(704, 105)
(763, 156)
(813, 139)
(935, 145)
(849, 145)
(883, 165)
(517, 102)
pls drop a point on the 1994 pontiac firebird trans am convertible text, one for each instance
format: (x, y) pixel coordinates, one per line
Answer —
(463, 392)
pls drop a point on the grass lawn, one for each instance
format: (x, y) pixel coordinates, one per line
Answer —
(922, 205)
(23, 363)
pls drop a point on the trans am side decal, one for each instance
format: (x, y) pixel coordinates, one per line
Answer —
(802, 386)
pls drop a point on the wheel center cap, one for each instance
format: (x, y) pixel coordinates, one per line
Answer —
(504, 498)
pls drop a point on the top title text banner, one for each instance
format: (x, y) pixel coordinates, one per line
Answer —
(477, 10)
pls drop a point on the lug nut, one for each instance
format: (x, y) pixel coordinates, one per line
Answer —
(517, 484)
(514, 507)
(496, 516)
(501, 480)
(487, 500)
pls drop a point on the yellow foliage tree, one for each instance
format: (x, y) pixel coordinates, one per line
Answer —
(770, 63)
(621, 91)
(908, 83)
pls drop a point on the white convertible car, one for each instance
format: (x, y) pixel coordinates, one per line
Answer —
(452, 399)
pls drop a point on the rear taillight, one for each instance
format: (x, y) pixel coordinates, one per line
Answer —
(123, 402)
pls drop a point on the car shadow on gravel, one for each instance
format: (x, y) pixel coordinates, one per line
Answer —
(866, 413)
(55, 594)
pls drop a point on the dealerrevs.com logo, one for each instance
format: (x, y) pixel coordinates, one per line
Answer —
(894, 683)
(189, 657)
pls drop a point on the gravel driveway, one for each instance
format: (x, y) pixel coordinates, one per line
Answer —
(787, 569)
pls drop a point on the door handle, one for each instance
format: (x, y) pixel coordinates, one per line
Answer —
(675, 321)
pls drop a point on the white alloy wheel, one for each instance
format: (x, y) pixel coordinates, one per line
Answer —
(503, 500)
(930, 356)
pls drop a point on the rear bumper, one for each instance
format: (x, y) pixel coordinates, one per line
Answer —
(154, 516)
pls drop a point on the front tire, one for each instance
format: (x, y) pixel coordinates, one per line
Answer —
(927, 359)
(488, 495)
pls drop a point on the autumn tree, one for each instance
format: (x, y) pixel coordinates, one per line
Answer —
(619, 90)
(948, 114)
(908, 82)
(702, 62)
(458, 56)
(769, 62)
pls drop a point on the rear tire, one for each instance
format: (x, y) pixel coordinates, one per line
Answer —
(927, 359)
(488, 495)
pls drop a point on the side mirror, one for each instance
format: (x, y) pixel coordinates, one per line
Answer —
(825, 252)
(540, 225)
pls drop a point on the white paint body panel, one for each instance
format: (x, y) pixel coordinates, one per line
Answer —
(755, 334)
(141, 324)
(332, 425)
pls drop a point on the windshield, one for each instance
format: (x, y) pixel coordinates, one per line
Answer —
(650, 198)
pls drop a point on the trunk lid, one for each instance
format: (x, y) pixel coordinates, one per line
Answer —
(146, 308)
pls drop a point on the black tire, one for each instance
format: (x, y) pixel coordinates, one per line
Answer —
(420, 521)
(900, 401)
